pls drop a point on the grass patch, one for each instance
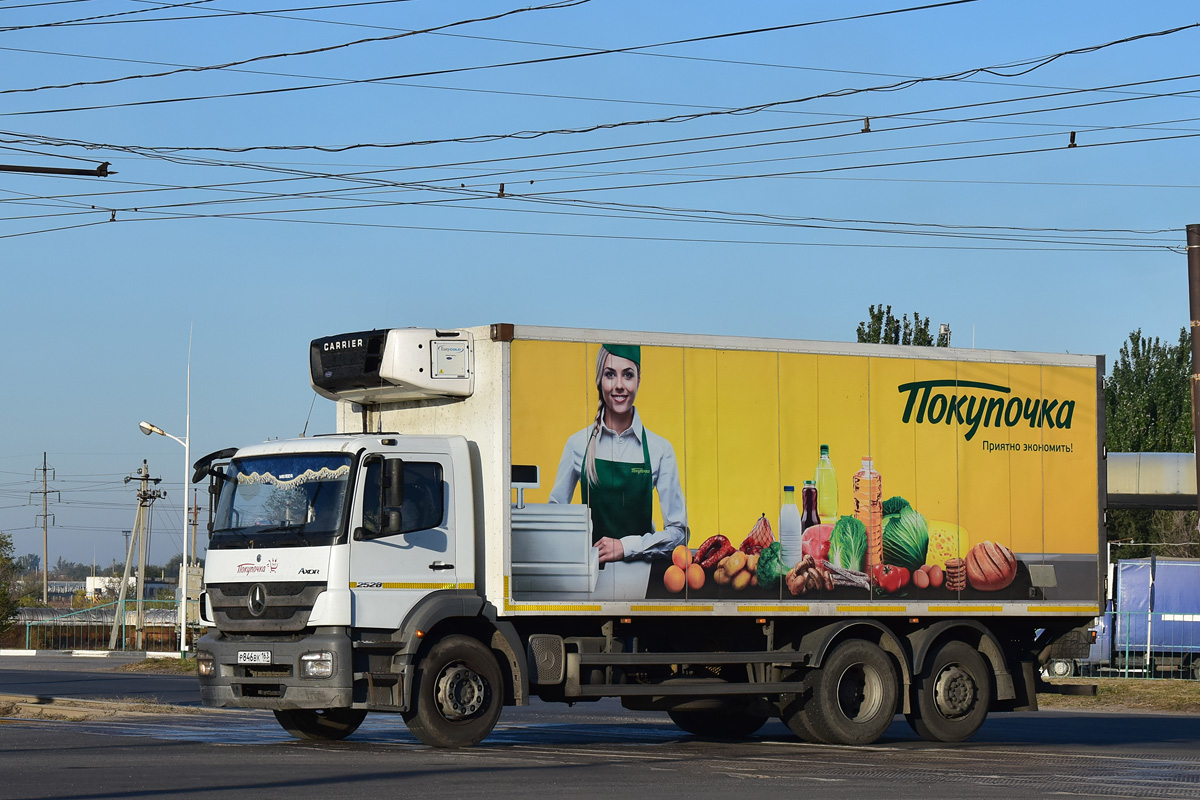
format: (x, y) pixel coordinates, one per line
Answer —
(1115, 694)
(161, 666)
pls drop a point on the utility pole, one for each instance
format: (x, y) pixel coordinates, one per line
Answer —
(46, 517)
(1193, 261)
(195, 523)
(141, 534)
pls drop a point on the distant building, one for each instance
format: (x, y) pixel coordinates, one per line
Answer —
(107, 587)
(63, 589)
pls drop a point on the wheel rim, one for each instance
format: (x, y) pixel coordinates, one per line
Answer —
(461, 691)
(955, 692)
(860, 692)
(1060, 669)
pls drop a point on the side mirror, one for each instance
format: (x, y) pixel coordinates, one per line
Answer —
(392, 491)
(393, 482)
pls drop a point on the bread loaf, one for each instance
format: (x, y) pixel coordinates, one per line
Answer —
(990, 567)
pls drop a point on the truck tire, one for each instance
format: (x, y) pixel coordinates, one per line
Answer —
(1060, 668)
(953, 694)
(727, 724)
(330, 724)
(457, 694)
(849, 699)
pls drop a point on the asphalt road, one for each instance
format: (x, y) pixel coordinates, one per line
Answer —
(552, 750)
(91, 678)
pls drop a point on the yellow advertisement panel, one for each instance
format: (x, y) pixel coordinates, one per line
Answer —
(706, 474)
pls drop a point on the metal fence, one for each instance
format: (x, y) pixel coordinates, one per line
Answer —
(1141, 644)
(91, 628)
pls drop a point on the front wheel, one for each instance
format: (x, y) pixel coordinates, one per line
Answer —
(330, 724)
(953, 694)
(458, 694)
(851, 697)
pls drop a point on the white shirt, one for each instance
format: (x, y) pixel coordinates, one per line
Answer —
(626, 447)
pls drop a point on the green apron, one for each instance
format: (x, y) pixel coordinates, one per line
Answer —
(622, 501)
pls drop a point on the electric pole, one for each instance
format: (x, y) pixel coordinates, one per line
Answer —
(46, 518)
(1193, 264)
(195, 523)
(141, 534)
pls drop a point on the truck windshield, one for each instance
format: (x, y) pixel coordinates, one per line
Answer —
(282, 501)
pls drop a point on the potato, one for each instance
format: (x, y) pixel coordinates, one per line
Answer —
(741, 580)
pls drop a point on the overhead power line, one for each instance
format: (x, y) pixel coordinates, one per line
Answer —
(526, 62)
(81, 20)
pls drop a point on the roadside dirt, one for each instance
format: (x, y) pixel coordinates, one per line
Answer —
(1128, 694)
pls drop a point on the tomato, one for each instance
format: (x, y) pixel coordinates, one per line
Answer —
(888, 578)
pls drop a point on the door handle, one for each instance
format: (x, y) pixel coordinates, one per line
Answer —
(440, 565)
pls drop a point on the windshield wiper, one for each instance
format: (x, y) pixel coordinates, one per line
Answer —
(296, 529)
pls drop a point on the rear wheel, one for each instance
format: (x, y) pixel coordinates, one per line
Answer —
(723, 723)
(849, 699)
(953, 694)
(329, 724)
(458, 694)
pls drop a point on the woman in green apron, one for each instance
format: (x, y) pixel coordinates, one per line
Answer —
(618, 464)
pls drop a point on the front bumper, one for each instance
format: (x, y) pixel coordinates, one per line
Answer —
(277, 685)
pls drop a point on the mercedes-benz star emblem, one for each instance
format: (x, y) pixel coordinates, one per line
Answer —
(257, 601)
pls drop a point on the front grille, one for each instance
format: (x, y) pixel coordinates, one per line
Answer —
(284, 589)
(288, 606)
(273, 671)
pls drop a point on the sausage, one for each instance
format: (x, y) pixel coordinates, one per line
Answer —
(712, 551)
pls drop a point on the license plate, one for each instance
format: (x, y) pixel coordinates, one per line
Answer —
(254, 657)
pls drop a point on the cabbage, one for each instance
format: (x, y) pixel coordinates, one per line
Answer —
(770, 565)
(848, 544)
(894, 505)
(906, 540)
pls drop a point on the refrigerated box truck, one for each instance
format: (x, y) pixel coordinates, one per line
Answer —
(512, 512)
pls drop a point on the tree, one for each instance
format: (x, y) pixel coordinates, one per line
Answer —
(1147, 405)
(1147, 397)
(9, 590)
(64, 570)
(28, 563)
(884, 328)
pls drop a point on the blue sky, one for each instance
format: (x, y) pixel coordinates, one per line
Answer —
(782, 222)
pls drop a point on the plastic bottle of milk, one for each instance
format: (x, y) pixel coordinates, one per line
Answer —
(789, 528)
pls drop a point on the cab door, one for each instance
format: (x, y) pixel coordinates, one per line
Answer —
(391, 570)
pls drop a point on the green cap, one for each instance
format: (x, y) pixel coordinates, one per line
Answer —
(632, 352)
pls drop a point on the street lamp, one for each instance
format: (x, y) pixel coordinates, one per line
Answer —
(147, 428)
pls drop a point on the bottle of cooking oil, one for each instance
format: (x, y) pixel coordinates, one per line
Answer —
(827, 489)
(868, 509)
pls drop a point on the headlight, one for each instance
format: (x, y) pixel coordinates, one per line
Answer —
(205, 665)
(316, 665)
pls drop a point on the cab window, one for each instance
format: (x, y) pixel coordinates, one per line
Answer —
(424, 498)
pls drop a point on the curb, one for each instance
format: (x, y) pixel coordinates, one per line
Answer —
(47, 707)
(135, 654)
